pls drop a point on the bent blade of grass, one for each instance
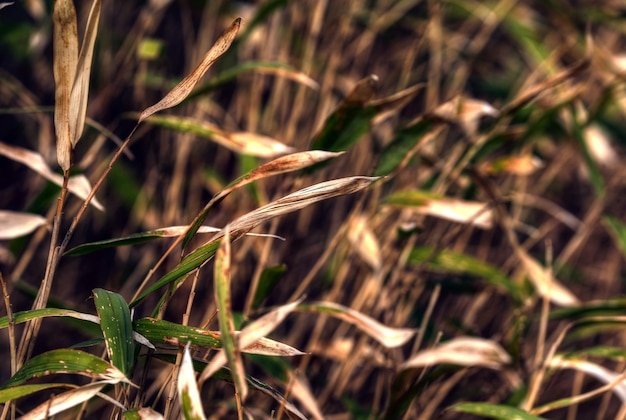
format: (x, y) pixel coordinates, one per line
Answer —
(67, 400)
(65, 61)
(251, 336)
(387, 336)
(117, 328)
(493, 411)
(544, 282)
(239, 142)
(461, 211)
(462, 351)
(262, 67)
(253, 383)
(182, 89)
(230, 342)
(24, 316)
(188, 393)
(66, 361)
(15, 224)
(290, 203)
(600, 373)
(349, 122)
(281, 165)
(19, 391)
(134, 239)
(166, 332)
(80, 88)
(403, 147)
(456, 262)
(77, 185)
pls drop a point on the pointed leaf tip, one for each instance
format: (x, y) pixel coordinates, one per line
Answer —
(185, 86)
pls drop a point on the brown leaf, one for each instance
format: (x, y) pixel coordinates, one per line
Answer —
(182, 89)
(80, 88)
(65, 50)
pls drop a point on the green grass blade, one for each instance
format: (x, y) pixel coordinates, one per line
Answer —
(618, 229)
(134, 239)
(397, 151)
(66, 361)
(225, 316)
(493, 411)
(458, 263)
(192, 261)
(20, 317)
(16, 392)
(117, 328)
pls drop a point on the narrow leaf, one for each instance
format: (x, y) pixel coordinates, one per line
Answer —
(462, 351)
(65, 60)
(250, 336)
(62, 402)
(387, 336)
(230, 342)
(165, 332)
(14, 224)
(460, 211)
(188, 394)
(182, 89)
(134, 239)
(456, 262)
(493, 411)
(78, 185)
(116, 328)
(239, 142)
(80, 89)
(66, 361)
(277, 166)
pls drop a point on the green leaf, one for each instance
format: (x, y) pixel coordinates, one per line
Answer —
(65, 361)
(618, 229)
(16, 392)
(23, 316)
(225, 315)
(398, 150)
(134, 239)
(192, 261)
(456, 262)
(269, 279)
(160, 331)
(117, 328)
(493, 411)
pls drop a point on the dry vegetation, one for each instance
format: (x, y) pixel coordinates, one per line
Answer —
(470, 250)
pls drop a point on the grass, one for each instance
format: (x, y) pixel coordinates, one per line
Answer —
(417, 207)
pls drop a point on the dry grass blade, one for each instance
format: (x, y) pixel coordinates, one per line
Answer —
(299, 200)
(365, 243)
(462, 351)
(251, 335)
(77, 185)
(14, 224)
(616, 380)
(62, 402)
(183, 89)
(80, 89)
(65, 47)
(387, 336)
(545, 283)
(188, 393)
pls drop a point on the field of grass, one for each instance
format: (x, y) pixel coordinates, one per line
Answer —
(313, 209)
